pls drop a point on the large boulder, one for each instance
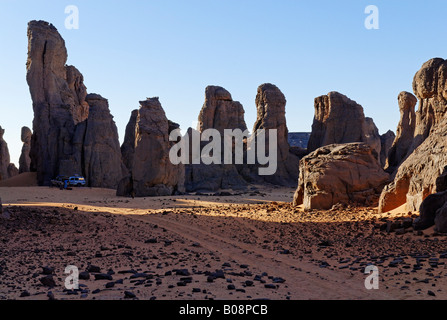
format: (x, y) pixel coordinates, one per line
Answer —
(340, 120)
(403, 142)
(25, 159)
(271, 115)
(340, 173)
(429, 210)
(152, 172)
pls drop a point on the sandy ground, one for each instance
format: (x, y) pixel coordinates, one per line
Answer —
(249, 245)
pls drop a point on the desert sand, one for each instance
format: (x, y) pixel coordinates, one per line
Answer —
(231, 245)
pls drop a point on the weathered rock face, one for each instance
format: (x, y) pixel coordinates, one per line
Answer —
(4, 157)
(69, 136)
(344, 173)
(429, 86)
(25, 160)
(152, 172)
(220, 112)
(102, 163)
(54, 102)
(425, 159)
(386, 140)
(417, 176)
(128, 146)
(405, 131)
(339, 120)
(271, 114)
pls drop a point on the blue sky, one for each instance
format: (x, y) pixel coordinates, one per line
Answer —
(130, 50)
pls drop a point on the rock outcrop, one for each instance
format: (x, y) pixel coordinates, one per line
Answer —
(69, 135)
(386, 140)
(152, 173)
(340, 120)
(128, 146)
(4, 157)
(12, 170)
(340, 173)
(416, 177)
(405, 132)
(25, 159)
(101, 157)
(425, 158)
(220, 112)
(271, 114)
(299, 139)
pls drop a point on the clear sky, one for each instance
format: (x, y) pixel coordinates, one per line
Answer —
(130, 50)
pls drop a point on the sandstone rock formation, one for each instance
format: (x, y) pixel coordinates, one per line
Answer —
(405, 131)
(102, 163)
(69, 136)
(4, 157)
(416, 177)
(152, 173)
(128, 146)
(340, 173)
(271, 114)
(426, 158)
(220, 112)
(339, 120)
(25, 159)
(386, 140)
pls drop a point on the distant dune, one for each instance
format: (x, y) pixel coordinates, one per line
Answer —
(27, 179)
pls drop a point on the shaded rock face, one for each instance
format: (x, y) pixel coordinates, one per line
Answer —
(25, 159)
(432, 211)
(67, 139)
(128, 146)
(12, 170)
(102, 163)
(343, 173)
(425, 160)
(220, 112)
(271, 114)
(386, 140)
(4, 157)
(152, 173)
(403, 142)
(339, 120)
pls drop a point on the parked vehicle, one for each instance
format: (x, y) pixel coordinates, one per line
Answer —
(76, 181)
(59, 181)
(65, 181)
